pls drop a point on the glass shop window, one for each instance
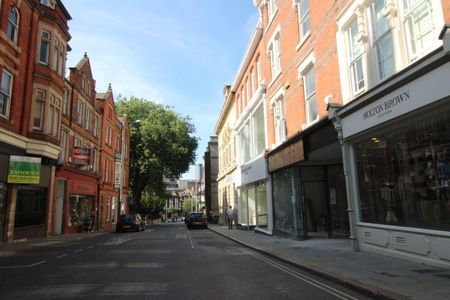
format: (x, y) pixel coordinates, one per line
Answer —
(404, 176)
(30, 207)
(81, 207)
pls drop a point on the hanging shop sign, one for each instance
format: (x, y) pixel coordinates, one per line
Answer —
(24, 169)
(81, 156)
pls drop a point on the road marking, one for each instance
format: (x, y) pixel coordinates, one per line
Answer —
(145, 265)
(91, 246)
(181, 236)
(62, 255)
(79, 250)
(21, 267)
(309, 280)
(190, 239)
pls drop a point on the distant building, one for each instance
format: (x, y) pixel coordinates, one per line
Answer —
(211, 170)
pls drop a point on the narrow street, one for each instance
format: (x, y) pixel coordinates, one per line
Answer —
(166, 261)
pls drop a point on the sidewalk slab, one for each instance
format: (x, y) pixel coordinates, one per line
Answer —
(375, 275)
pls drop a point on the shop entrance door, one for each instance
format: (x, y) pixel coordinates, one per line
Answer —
(59, 210)
(316, 208)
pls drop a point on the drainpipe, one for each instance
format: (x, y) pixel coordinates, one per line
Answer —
(337, 123)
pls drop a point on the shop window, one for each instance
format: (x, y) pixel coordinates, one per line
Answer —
(404, 176)
(80, 210)
(286, 202)
(30, 207)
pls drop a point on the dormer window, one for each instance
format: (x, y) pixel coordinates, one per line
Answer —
(85, 85)
(49, 3)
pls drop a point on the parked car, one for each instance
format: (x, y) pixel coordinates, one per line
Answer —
(130, 222)
(196, 219)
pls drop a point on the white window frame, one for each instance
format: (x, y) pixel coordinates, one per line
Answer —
(95, 127)
(6, 93)
(45, 44)
(63, 143)
(53, 117)
(87, 119)
(356, 59)
(252, 80)
(377, 39)
(303, 70)
(272, 8)
(303, 18)
(403, 54)
(65, 101)
(408, 13)
(277, 105)
(80, 108)
(13, 28)
(274, 52)
(258, 72)
(40, 100)
(310, 95)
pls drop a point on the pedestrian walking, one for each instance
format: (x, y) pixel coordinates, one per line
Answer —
(230, 217)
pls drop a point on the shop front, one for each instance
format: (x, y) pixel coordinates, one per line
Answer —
(24, 194)
(79, 192)
(254, 190)
(309, 194)
(398, 148)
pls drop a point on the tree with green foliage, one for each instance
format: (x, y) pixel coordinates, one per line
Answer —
(163, 145)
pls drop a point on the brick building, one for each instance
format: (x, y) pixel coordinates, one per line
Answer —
(78, 173)
(110, 161)
(52, 132)
(355, 145)
(33, 38)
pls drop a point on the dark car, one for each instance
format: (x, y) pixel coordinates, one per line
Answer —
(196, 219)
(131, 221)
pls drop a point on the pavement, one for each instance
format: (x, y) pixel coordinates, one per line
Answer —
(375, 275)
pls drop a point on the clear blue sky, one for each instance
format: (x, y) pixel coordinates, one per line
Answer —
(174, 52)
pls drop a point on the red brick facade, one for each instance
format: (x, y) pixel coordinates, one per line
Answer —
(41, 117)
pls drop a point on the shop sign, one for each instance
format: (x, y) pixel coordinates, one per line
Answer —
(81, 156)
(287, 156)
(24, 169)
(399, 102)
(82, 188)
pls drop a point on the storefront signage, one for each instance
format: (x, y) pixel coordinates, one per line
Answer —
(387, 106)
(82, 188)
(291, 154)
(254, 171)
(81, 156)
(24, 169)
(425, 90)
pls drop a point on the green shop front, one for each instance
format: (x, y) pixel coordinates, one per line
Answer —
(25, 188)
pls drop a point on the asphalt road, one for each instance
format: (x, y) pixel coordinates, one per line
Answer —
(164, 262)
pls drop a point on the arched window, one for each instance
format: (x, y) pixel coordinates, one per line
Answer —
(13, 24)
